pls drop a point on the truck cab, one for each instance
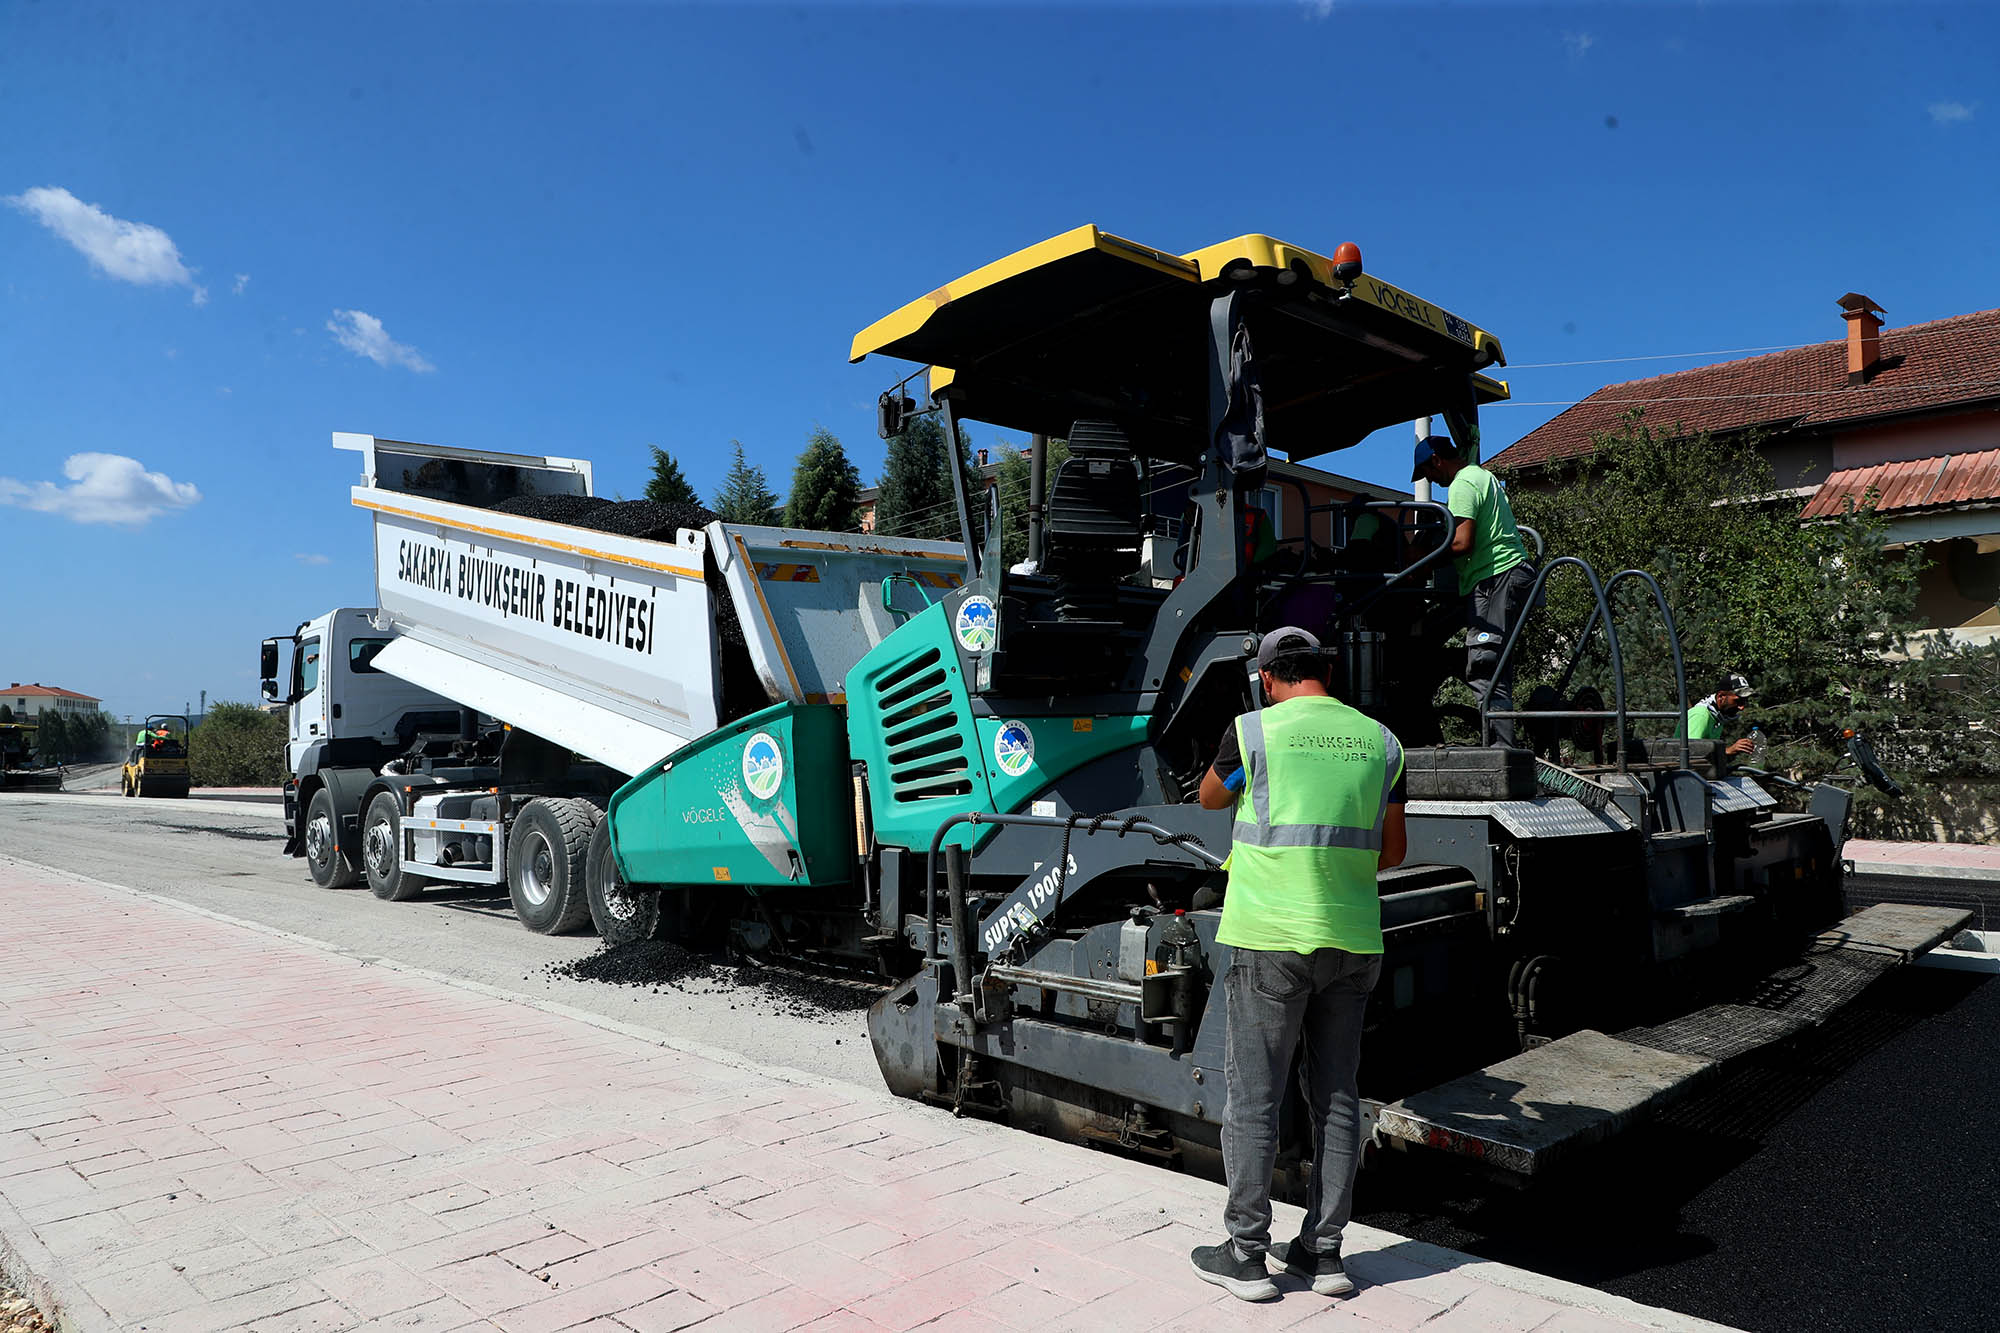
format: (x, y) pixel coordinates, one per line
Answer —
(345, 721)
(340, 708)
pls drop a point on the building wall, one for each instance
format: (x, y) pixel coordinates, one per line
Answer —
(1958, 587)
(27, 705)
(1892, 442)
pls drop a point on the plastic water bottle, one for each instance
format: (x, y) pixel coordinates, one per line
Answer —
(1757, 746)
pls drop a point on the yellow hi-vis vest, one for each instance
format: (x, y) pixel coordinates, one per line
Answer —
(1308, 837)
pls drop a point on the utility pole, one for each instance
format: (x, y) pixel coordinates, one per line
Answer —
(1423, 433)
(1038, 467)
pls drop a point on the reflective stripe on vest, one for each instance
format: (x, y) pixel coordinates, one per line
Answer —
(1263, 833)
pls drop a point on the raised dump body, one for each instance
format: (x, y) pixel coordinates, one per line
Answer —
(619, 648)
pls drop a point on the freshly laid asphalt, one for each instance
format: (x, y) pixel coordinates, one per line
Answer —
(1850, 1183)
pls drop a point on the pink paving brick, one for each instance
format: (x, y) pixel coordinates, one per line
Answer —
(268, 1137)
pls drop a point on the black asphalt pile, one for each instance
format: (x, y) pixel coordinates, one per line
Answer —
(569, 509)
(659, 966)
(649, 520)
(803, 996)
(647, 963)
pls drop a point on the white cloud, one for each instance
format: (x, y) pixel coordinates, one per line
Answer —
(1317, 10)
(242, 281)
(310, 559)
(1950, 113)
(106, 488)
(135, 252)
(362, 334)
(1578, 44)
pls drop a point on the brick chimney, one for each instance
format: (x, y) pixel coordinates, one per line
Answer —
(1864, 336)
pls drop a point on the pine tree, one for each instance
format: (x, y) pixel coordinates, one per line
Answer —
(51, 737)
(745, 496)
(824, 486)
(1013, 479)
(667, 485)
(915, 499)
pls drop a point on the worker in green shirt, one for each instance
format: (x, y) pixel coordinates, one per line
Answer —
(1707, 720)
(1318, 792)
(1495, 575)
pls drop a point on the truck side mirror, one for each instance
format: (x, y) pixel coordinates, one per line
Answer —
(267, 662)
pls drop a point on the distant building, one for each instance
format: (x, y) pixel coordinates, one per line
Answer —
(28, 700)
(1907, 419)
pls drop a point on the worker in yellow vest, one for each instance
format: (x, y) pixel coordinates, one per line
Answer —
(1318, 792)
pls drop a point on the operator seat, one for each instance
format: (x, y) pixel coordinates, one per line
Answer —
(1093, 536)
(1073, 624)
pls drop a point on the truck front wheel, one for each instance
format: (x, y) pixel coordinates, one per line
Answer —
(329, 865)
(621, 914)
(382, 852)
(546, 852)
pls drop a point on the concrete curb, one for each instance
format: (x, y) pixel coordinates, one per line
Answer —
(1358, 1239)
(43, 1280)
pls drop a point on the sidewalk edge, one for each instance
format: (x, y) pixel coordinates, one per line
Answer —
(43, 1279)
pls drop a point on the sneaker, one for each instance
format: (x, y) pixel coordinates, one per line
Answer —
(1325, 1271)
(1245, 1279)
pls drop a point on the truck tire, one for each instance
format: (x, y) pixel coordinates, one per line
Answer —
(329, 865)
(381, 852)
(621, 915)
(546, 851)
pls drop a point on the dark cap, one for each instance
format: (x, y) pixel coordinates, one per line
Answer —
(1432, 446)
(1290, 641)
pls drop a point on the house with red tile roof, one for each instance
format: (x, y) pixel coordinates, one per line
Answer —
(1907, 419)
(28, 700)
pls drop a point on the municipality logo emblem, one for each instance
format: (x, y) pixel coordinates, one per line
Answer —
(976, 624)
(763, 766)
(1014, 749)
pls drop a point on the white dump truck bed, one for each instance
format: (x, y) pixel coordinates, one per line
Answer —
(607, 644)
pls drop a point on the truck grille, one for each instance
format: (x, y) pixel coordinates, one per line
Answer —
(926, 749)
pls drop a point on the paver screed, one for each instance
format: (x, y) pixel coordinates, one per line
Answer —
(206, 1126)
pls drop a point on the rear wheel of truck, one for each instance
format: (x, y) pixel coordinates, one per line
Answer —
(621, 914)
(546, 852)
(382, 852)
(329, 865)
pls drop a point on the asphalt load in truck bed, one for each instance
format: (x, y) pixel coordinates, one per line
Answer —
(648, 520)
(660, 966)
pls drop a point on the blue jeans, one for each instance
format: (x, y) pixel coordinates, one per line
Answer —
(1274, 1001)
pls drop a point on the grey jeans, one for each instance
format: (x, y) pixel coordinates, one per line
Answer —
(1496, 604)
(1274, 1000)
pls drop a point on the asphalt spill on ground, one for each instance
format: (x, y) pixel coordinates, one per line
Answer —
(661, 967)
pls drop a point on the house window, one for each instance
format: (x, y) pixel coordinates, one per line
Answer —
(1271, 501)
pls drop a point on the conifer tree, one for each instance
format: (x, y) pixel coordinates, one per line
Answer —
(824, 486)
(915, 499)
(745, 496)
(667, 485)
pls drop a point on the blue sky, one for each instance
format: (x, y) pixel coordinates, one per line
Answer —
(586, 228)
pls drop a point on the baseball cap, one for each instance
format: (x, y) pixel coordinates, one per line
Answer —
(1289, 641)
(1432, 446)
(1737, 685)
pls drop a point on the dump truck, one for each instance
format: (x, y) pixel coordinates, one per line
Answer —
(978, 782)
(515, 673)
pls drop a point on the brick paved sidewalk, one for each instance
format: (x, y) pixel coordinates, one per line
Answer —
(204, 1126)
